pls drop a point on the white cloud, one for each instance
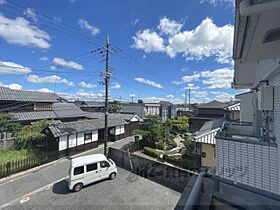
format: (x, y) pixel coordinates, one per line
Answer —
(206, 40)
(148, 41)
(3, 2)
(219, 78)
(44, 58)
(187, 78)
(223, 96)
(148, 82)
(132, 95)
(199, 94)
(12, 86)
(49, 79)
(44, 90)
(191, 86)
(57, 19)
(20, 31)
(68, 64)
(216, 2)
(134, 22)
(30, 13)
(7, 67)
(169, 27)
(84, 24)
(184, 69)
(88, 94)
(86, 85)
(170, 96)
(116, 86)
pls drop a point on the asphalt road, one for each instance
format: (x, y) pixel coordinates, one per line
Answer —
(13, 189)
(127, 191)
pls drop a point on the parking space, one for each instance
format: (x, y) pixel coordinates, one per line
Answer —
(127, 191)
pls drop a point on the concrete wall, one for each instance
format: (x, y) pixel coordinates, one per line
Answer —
(209, 160)
(172, 177)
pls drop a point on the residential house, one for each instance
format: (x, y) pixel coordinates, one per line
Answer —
(208, 112)
(132, 120)
(248, 152)
(167, 110)
(205, 142)
(71, 137)
(91, 106)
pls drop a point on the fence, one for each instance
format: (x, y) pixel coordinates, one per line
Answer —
(13, 167)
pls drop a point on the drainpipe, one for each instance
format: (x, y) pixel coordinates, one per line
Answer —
(246, 9)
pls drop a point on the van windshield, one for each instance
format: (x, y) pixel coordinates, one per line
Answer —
(111, 162)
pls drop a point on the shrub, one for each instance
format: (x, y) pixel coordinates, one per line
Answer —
(172, 143)
(152, 152)
(184, 163)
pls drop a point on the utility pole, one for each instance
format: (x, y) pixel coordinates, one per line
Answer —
(107, 80)
(185, 105)
(189, 99)
(132, 99)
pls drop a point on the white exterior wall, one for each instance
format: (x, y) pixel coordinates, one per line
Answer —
(247, 163)
(275, 81)
(119, 130)
(246, 107)
(73, 141)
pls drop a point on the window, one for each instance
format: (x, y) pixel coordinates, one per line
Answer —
(203, 154)
(42, 106)
(104, 164)
(88, 136)
(92, 167)
(79, 170)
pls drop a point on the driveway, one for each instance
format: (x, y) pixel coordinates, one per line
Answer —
(127, 191)
(13, 189)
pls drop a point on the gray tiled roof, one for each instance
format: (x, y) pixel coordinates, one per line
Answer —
(64, 110)
(100, 115)
(38, 115)
(61, 129)
(210, 125)
(7, 94)
(214, 105)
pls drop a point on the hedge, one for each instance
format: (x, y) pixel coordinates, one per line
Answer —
(152, 152)
(184, 163)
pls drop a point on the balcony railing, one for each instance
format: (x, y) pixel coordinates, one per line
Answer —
(241, 132)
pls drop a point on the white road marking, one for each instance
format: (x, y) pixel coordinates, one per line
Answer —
(26, 196)
(24, 200)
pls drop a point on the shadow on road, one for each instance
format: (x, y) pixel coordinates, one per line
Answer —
(61, 187)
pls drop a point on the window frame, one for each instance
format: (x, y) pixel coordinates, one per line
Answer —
(87, 171)
(79, 167)
(105, 162)
(87, 134)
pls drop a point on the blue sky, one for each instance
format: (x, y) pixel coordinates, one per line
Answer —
(159, 48)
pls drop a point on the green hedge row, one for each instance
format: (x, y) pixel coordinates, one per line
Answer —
(152, 152)
(184, 163)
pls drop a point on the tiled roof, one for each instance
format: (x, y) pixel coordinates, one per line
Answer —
(7, 94)
(65, 110)
(100, 115)
(61, 129)
(30, 116)
(207, 132)
(213, 105)
(235, 107)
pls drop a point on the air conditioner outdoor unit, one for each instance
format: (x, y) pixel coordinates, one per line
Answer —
(265, 98)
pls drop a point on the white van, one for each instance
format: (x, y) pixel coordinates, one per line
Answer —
(88, 169)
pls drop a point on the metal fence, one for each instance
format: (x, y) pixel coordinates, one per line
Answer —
(13, 167)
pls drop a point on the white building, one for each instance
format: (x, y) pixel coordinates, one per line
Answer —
(248, 152)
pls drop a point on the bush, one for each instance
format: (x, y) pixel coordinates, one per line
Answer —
(184, 163)
(152, 152)
(172, 143)
(9, 155)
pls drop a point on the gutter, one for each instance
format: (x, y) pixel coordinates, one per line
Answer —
(246, 9)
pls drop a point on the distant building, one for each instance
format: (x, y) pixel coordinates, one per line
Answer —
(167, 110)
(208, 112)
(91, 106)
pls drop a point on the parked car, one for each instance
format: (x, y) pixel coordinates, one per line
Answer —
(88, 169)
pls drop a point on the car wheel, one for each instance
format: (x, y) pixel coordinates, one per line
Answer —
(112, 176)
(77, 187)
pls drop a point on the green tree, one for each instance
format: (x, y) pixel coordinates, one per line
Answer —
(189, 144)
(151, 128)
(114, 106)
(30, 135)
(8, 125)
(179, 125)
